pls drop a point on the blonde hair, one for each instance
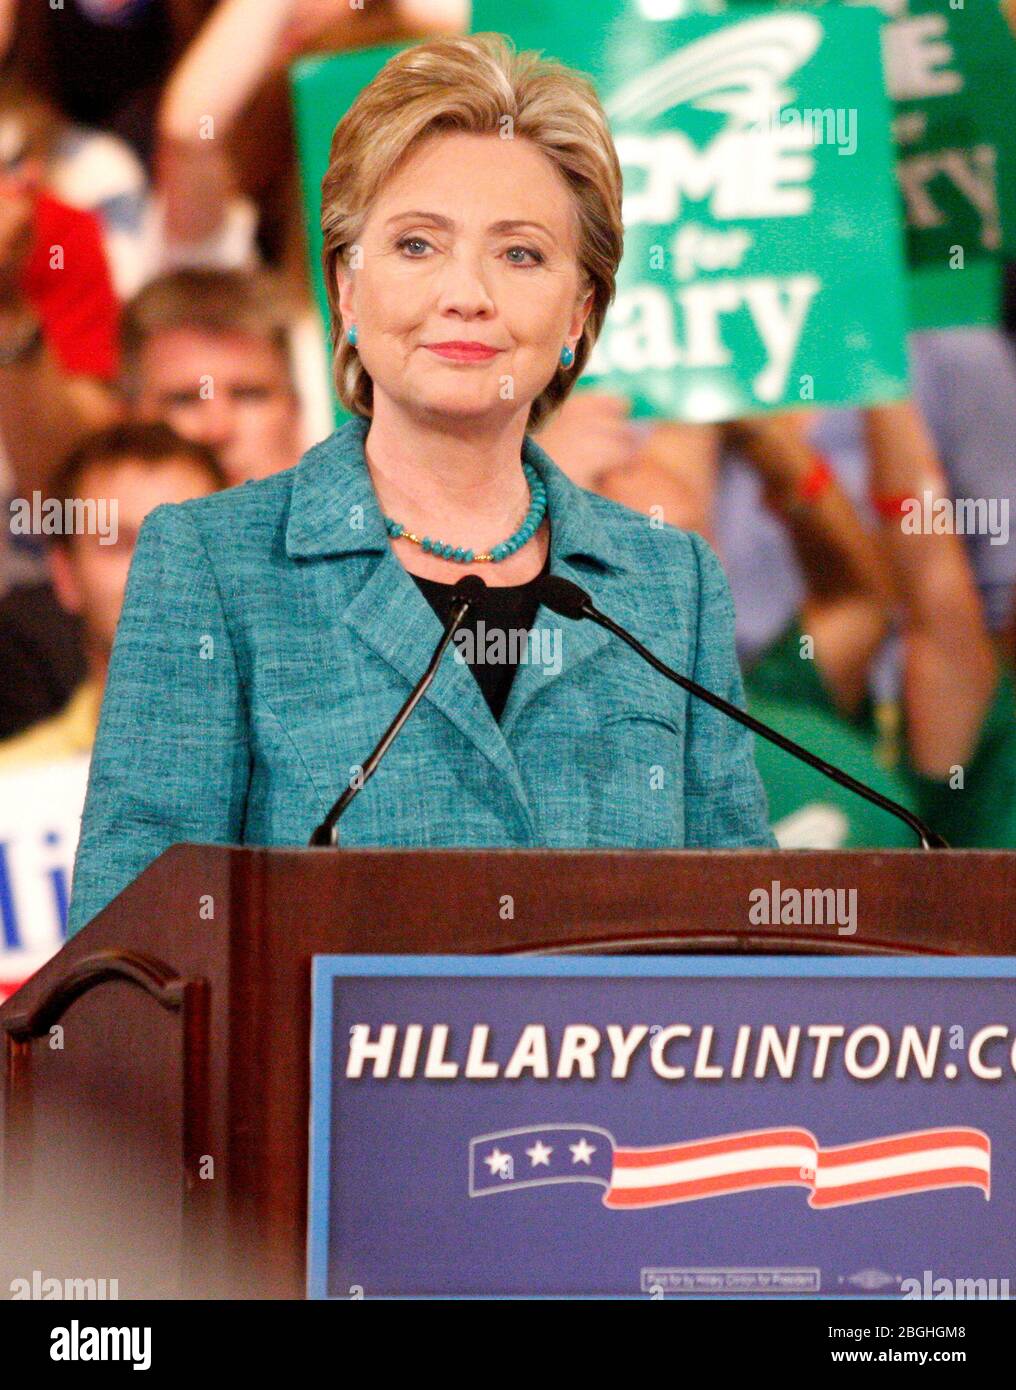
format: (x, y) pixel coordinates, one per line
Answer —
(477, 85)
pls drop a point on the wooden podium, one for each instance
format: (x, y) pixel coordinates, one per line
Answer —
(156, 1084)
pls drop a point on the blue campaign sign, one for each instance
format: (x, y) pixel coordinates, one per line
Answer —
(650, 1126)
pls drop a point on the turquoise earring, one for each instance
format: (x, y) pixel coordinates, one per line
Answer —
(352, 334)
(567, 356)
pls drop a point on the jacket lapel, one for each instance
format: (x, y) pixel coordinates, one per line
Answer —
(583, 550)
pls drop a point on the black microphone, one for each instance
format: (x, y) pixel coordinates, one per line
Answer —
(567, 599)
(467, 593)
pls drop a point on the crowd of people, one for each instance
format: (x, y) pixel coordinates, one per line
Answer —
(172, 348)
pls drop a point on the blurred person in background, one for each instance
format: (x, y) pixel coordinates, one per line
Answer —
(58, 329)
(937, 705)
(139, 467)
(950, 752)
(101, 62)
(959, 699)
(963, 382)
(87, 168)
(75, 228)
(82, 193)
(208, 353)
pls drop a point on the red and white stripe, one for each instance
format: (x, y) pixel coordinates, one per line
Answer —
(901, 1163)
(886, 1167)
(712, 1167)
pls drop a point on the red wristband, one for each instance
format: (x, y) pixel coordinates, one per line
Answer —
(816, 480)
(889, 507)
(808, 489)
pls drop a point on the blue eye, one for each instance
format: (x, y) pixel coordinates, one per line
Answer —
(416, 248)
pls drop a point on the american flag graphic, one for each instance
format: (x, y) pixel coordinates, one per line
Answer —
(891, 1166)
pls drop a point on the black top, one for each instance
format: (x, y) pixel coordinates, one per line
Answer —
(506, 607)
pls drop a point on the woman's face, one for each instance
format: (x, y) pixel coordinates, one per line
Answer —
(466, 283)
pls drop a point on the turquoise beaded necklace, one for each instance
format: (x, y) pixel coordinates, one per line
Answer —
(528, 529)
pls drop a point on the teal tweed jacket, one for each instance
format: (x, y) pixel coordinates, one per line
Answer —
(269, 634)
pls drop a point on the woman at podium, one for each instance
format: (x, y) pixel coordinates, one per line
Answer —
(270, 633)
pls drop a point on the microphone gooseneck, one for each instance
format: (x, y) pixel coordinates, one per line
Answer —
(468, 591)
(564, 597)
(568, 600)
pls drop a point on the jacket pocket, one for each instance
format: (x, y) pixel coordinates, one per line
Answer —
(646, 715)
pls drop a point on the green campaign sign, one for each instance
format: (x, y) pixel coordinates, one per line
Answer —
(763, 259)
(950, 71)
